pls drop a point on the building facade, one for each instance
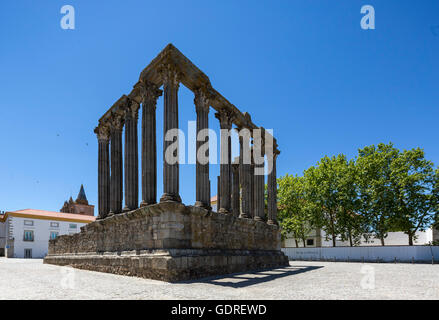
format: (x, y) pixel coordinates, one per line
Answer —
(26, 233)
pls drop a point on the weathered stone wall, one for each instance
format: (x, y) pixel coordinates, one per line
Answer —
(169, 226)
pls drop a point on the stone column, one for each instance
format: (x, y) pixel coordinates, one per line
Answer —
(259, 180)
(116, 178)
(103, 135)
(149, 93)
(202, 164)
(218, 193)
(170, 122)
(235, 189)
(272, 191)
(252, 189)
(225, 119)
(131, 156)
(245, 180)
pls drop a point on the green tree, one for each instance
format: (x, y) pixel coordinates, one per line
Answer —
(295, 213)
(330, 187)
(352, 225)
(413, 179)
(376, 191)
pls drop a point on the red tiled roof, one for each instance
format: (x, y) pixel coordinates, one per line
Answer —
(50, 215)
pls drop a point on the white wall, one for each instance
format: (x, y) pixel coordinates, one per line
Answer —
(42, 230)
(2, 235)
(393, 239)
(369, 254)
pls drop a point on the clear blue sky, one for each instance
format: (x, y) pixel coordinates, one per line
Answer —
(304, 68)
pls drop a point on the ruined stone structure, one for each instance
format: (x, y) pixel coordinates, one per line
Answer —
(168, 240)
(79, 206)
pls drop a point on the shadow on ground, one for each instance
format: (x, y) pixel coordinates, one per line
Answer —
(245, 279)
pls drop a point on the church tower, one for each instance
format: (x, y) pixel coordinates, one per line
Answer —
(79, 206)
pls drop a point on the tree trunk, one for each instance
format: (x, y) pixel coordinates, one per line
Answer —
(382, 241)
(304, 242)
(333, 231)
(297, 243)
(410, 239)
(350, 238)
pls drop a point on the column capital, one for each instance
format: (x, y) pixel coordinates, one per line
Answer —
(116, 122)
(170, 75)
(102, 131)
(131, 109)
(225, 118)
(149, 92)
(201, 100)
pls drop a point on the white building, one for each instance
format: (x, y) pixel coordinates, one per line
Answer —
(317, 238)
(26, 233)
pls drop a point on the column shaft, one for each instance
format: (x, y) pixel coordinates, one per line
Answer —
(218, 196)
(202, 156)
(252, 190)
(225, 119)
(131, 157)
(245, 180)
(116, 166)
(272, 192)
(259, 193)
(150, 94)
(103, 172)
(235, 190)
(170, 119)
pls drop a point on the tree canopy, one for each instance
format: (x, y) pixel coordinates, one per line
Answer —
(379, 191)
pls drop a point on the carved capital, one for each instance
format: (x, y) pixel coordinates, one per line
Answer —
(131, 109)
(225, 118)
(102, 132)
(116, 122)
(149, 93)
(170, 75)
(201, 100)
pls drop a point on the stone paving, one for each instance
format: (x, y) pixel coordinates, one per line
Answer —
(31, 279)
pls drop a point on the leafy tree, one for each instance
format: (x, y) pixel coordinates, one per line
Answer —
(295, 213)
(375, 187)
(329, 189)
(413, 179)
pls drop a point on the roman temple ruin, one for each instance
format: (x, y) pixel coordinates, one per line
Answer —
(163, 238)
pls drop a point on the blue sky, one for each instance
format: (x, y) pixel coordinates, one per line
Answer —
(304, 68)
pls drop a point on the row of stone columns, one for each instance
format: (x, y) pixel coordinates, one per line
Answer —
(248, 188)
(240, 191)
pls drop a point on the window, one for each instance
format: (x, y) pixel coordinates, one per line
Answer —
(72, 226)
(28, 235)
(54, 224)
(28, 253)
(53, 235)
(309, 242)
(28, 223)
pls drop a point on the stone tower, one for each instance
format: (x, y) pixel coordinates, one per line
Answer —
(79, 206)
